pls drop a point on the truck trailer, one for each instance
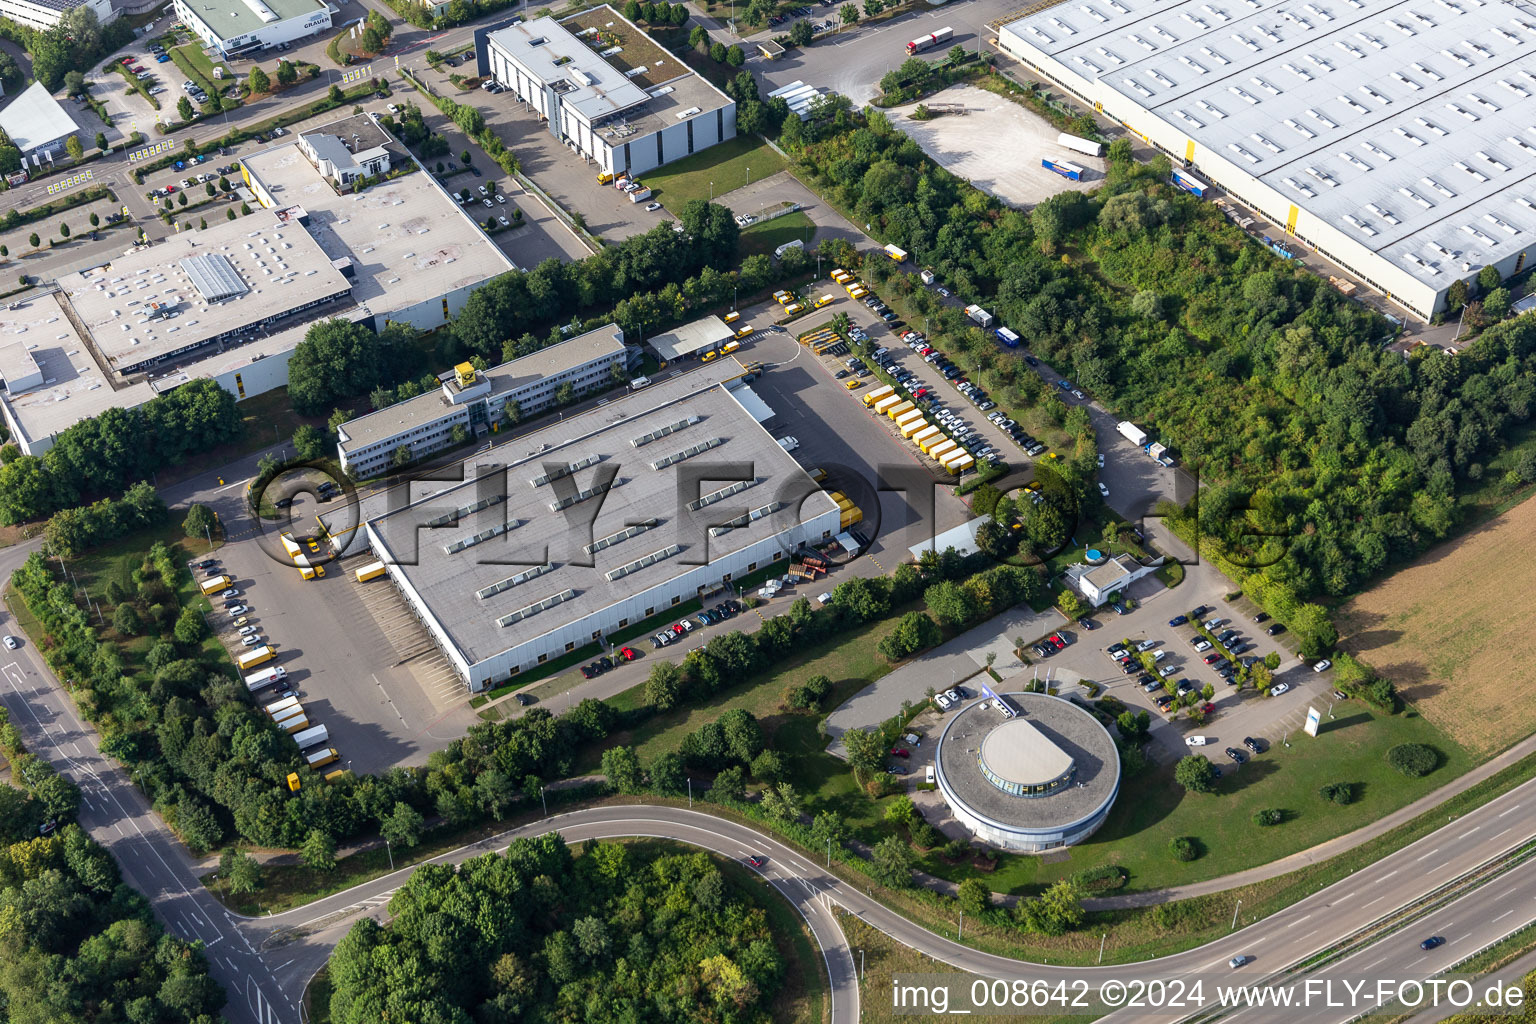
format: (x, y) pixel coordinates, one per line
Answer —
(311, 737)
(879, 393)
(1132, 432)
(928, 42)
(1007, 337)
(1189, 183)
(266, 677)
(281, 707)
(1078, 145)
(979, 316)
(1064, 168)
(927, 434)
(896, 253)
(294, 724)
(371, 571)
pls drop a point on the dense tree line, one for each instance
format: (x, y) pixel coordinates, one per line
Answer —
(77, 43)
(107, 453)
(72, 530)
(521, 303)
(617, 935)
(1255, 370)
(76, 942)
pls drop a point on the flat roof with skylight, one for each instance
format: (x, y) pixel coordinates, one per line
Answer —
(231, 277)
(501, 561)
(1407, 125)
(231, 18)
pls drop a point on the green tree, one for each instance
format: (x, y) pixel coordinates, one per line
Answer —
(734, 56)
(286, 73)
(240, 871)
(73, 147)
(64, 228)
(335, 95)
(849, 13)
(800, 33)
(199, 522)
(402, 826)
(974, 896)
(258, 81)
(184, 108)
(190, 627)
(319, 850)
(622, 769)
(101, 141)
(890, 863)
(309, 442)
(126, 620)
(1314, 629)
(1195, 773)
(717, 51)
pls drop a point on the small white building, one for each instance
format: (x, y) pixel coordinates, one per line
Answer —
(37, 125)
(239, 27)
(608, 91)
(334, 159)
(45, 15)
(1099, 583)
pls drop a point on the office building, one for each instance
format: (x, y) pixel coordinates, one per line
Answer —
(240, 27)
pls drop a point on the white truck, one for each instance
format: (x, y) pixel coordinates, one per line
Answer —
(1078, 145)
(311, 737)
(640, 195)
(265, 678)
(979, 316)
(1131, 432)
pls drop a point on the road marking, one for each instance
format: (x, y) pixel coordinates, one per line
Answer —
(1512, 810)
(1501, 833)
(1378, 899)
(1502, 916)
(1469, 831)
(1431, 853)
(1298, 921)
(1388, 875)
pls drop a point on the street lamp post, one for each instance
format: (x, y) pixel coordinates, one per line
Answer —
(391, 852)
(545, 800)
(711, 191)
(960, 932)
(749, 175)
(1104, 938)
(1234, 914)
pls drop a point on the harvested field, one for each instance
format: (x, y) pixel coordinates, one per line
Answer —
(1453, 631)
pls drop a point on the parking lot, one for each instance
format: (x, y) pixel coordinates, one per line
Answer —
(360, 662)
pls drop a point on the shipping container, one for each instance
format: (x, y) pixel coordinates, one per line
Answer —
(928, 444)
(1007, 337)
(899, 410)
(279, 707)
(371, 571)
(337, 775)
(1131, 432)
(927, 434)
(943, 448)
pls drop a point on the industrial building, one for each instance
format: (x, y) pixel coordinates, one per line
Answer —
(1027, 772)
(37, 125)
(1394, 138)
(608, 90)
(241, 27)
(45, 14)
(703, 335)
(478, 401)
(233, 301)
(597, 522)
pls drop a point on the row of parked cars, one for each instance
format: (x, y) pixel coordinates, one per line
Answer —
(727, 609)
(924, 394)
(608, 661)
(1053, 643)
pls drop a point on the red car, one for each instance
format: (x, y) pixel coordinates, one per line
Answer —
(128, 60)
(901, 751)
(1057, 642)
(628, 653)
(170, 189)
(1207, 708)
(1211, 659)
(756, 862)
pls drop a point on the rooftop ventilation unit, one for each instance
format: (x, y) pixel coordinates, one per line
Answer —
(683, 115)
(463, 510)
(481, 537)
(583, 495)
(1357, 222)
(1300, 129)
(512, 581)
(1411, 194)
(721, 495)
(660, 432)
(618, 538)
(687, 453)
(534, 609)
(557, 474)
(750, 517)
(614, 575)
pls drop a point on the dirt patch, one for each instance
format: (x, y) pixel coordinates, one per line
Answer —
(1453, 632)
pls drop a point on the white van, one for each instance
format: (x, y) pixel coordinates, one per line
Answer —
(639, 382)
(1197, 741)
(928, 775)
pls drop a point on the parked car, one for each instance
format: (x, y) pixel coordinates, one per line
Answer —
(1236, 755)
(1278, 689)
(1322, 666)
(1275, 630)
(1251, 743)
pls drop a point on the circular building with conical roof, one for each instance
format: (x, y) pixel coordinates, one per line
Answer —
(1027, 771)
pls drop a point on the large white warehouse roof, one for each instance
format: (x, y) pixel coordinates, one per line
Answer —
(1408, 125)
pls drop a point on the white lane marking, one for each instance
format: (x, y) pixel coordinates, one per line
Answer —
(1512, 810)
(1297, 921)
(1431, 853)
(1502, 916)
(1469, 831)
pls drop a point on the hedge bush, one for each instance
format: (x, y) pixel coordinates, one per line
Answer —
(1184, 848)
(1414, 759)
(1338, 792)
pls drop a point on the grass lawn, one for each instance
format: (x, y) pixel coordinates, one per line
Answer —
(195, 63)
(1152, 809)
(727, 165)
(766, 236)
